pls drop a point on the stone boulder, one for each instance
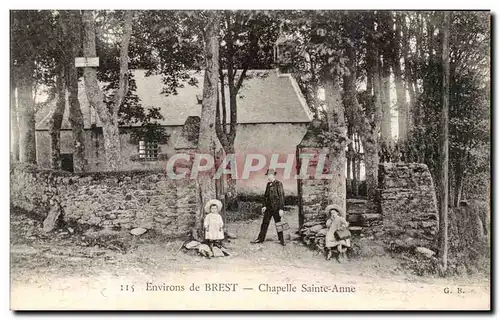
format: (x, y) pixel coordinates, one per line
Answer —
(230, 235)
(204, 250)
(218, 252)
(424, 251)
(138, 231)
(192, 245)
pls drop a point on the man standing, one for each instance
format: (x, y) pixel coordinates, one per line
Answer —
(274, 203)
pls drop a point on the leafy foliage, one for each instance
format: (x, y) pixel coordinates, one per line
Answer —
(35, 48)
(131, 112)
(469, 111)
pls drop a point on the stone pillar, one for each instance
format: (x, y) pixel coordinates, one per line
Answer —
(407, 200)
(312, 192)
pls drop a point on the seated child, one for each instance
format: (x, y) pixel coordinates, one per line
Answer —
(336, 222)
(213, 223)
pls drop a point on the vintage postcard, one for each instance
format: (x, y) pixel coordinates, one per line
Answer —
(250, 160)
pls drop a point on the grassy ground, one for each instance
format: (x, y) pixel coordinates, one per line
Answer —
(66, 270)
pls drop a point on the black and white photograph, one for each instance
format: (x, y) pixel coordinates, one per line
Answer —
(283, 159)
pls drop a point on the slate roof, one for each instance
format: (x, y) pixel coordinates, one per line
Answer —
(265, 97)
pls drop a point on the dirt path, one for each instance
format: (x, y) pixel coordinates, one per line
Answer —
(68, 272)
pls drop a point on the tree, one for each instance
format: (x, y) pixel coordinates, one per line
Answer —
(469, 100)
(55, 121)
(71, 29)
(14, 124)
(208, 141)
(329, 43)
(443, 145)
(95, 95)
(364, 110)
(371, 143)
(468, 105)
(408, 71)
(402, 107)
(240, 50)
(384, 27)
(39, 57)
(337, 127)
(56, 118)
(32, 63)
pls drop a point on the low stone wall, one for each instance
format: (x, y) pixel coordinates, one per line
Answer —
(408, 203)
(108, 199)
(404, 215)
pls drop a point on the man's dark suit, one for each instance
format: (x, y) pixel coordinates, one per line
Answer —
(274, 201)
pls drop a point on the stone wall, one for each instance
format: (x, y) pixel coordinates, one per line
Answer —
(312, 202)
(263, 138)
(404, 215)
(94, 149)
(408, 203)
(125, 199)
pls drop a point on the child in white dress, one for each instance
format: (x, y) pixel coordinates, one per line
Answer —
(213, 223)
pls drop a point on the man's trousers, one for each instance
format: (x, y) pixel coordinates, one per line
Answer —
(268, 214)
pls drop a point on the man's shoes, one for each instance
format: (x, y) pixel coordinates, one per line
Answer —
(256, 241)
(283, 243)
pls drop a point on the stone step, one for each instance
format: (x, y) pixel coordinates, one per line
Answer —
(356, 201)
(364, 219)
(361, 211)
(356, 229)
(371, 216)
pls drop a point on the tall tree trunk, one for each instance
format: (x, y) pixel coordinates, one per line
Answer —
(350, 156)
(55, 121)
(109, 118)
(231, 191)
(357, 167)
(351, 107)
(356, 121)
(430, 27)
(27, 145)
(443, 145)
(227, 138)
(14, 125)
(368, 125)
(457, 187)
(355, 118)
(234, 83)
(71, 26)
(386, 130)
(417, 73)
(336, 124)
(402, 106)
(385, 27)
(371, 142)
(408, 72)
(208, 140)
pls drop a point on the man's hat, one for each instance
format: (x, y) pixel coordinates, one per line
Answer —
(212, 202)
(336, 208)
(271, 171)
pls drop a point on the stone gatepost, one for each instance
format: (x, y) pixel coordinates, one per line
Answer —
(312, 193)
(408, 203)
